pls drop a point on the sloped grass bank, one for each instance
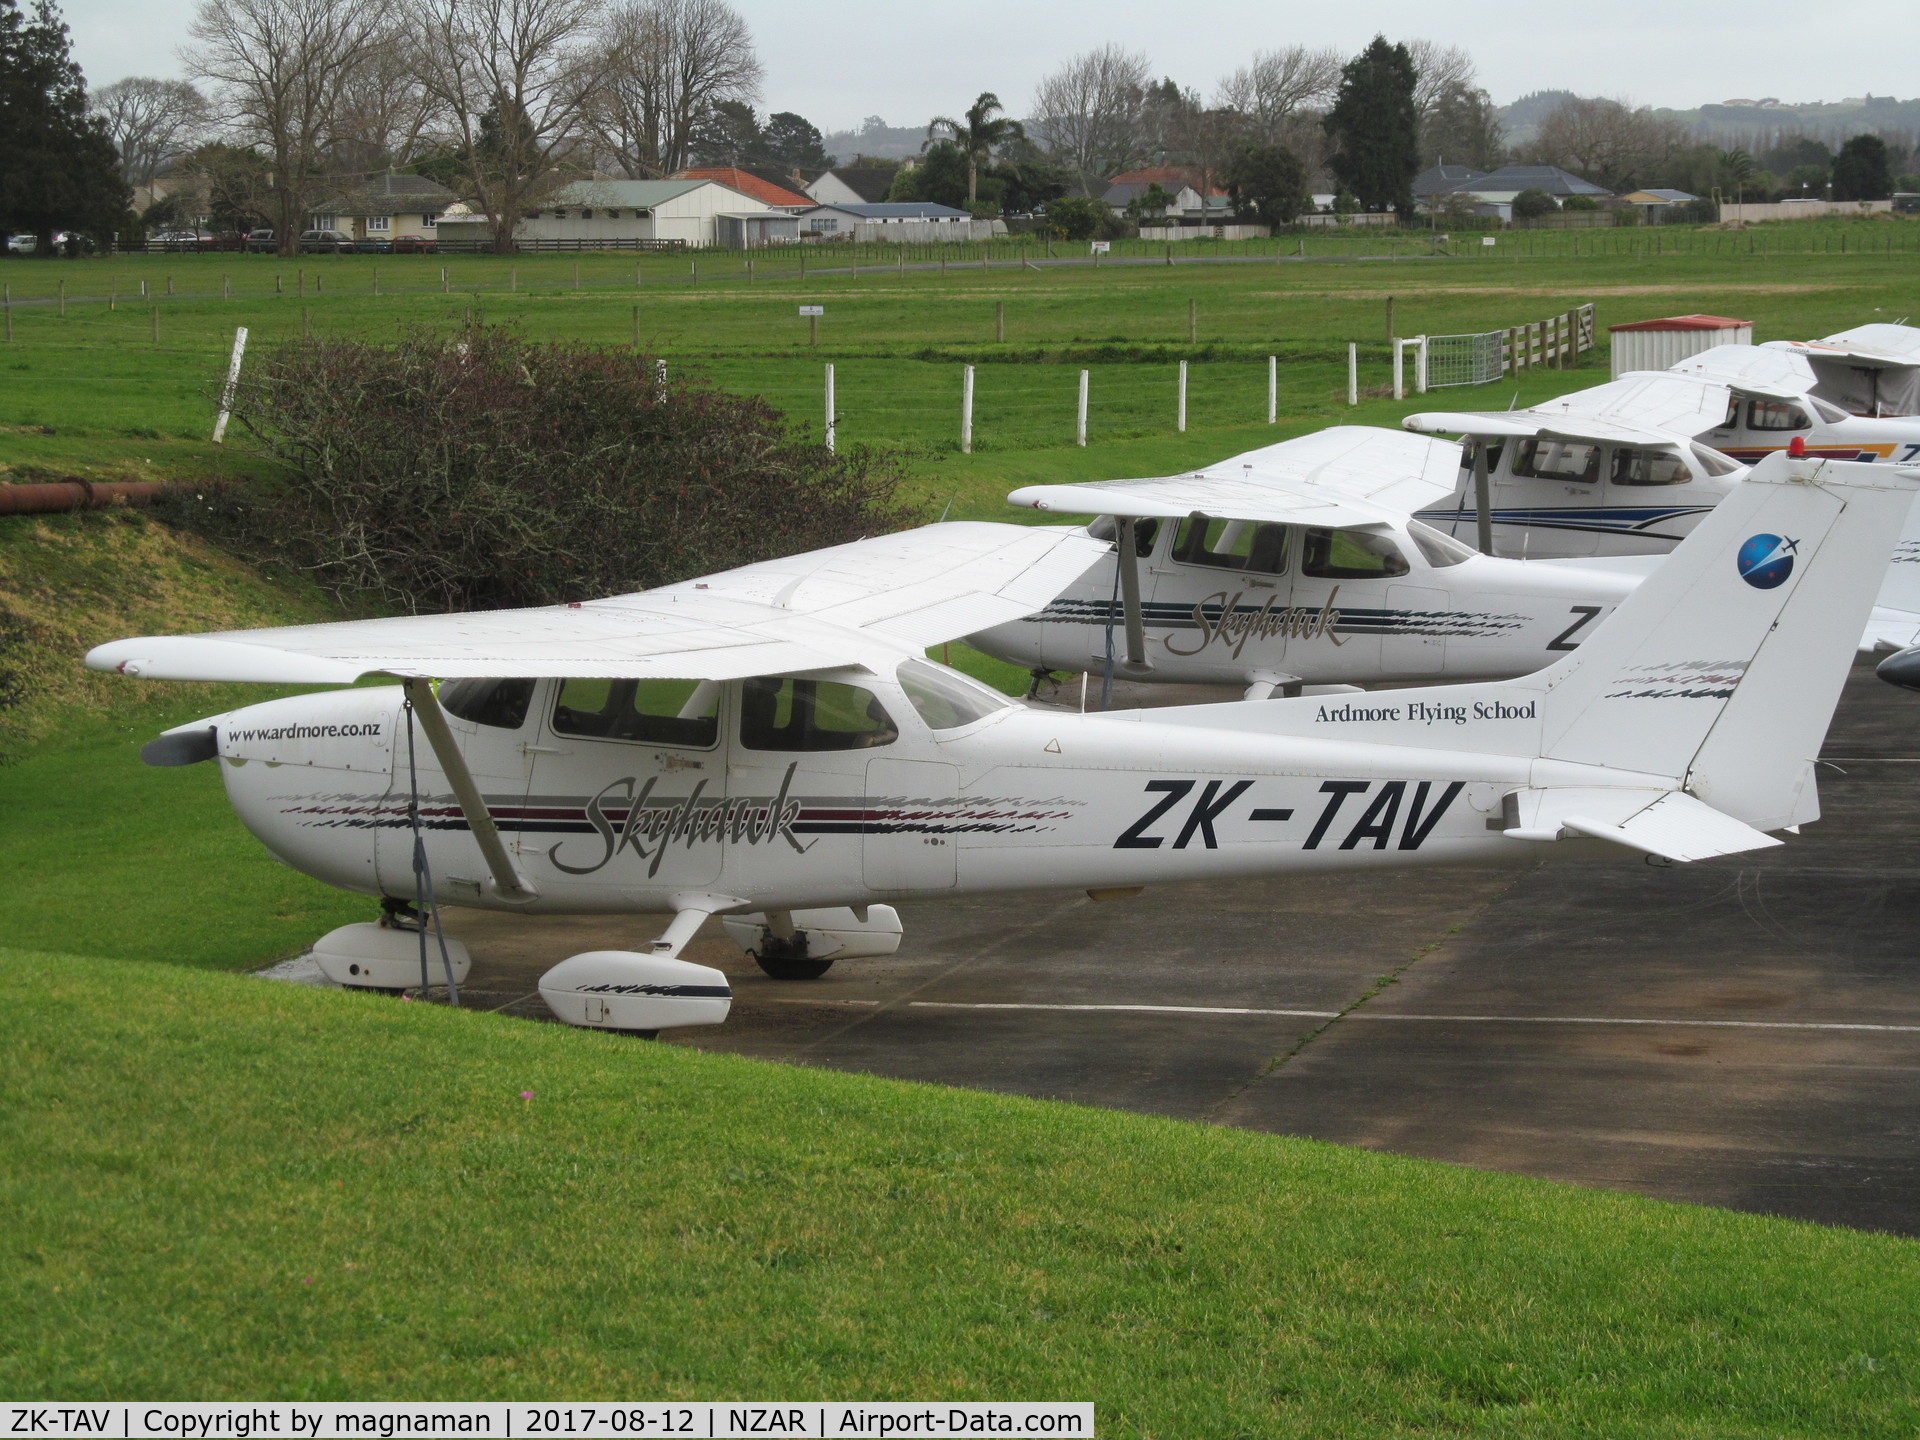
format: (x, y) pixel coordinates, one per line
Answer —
(223, 1187)
(102, 853)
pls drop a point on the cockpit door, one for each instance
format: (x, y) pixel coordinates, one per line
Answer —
(629, 786)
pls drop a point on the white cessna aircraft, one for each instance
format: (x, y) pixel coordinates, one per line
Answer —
(769, 742)
(1623, 470)
(1299, 565)
(1868, 370)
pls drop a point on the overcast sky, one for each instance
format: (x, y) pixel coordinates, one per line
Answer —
(838, 61)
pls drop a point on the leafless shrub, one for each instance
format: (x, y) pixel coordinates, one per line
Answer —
(491, 471)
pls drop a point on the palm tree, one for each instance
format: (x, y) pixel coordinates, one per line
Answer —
(978, 135)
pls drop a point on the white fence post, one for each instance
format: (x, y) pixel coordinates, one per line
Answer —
(1420, 366)
(1353, 373)
(233, 381)
(966, 412)
(1273, 389)
(1399, 370)
(1180, 419)
(830, 415)
(1080, 425)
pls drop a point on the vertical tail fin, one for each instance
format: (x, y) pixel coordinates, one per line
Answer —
(1725, 665)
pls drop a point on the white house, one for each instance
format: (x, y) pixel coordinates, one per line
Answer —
(852, 185)
(386, 207)
(916, 222)
(615, 213)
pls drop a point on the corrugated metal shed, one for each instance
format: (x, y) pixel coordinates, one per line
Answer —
(1657, 344)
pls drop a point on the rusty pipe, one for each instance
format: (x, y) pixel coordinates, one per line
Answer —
(63, 495)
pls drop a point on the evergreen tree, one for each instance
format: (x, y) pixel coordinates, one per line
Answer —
(939, 179)
(1375, 128)
(58, 169)
(1862, 170)
(1269, 183)
(793, 143)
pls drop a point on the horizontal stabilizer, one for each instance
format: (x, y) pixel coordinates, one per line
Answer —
(1668, 823)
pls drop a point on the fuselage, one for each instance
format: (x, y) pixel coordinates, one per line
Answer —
(741, 798)
(1237, 602)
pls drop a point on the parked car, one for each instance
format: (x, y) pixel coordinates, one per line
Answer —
(373, 247)
(180, 240)
(22, 244)
(260, 242)
(326, 242)
(415, 245)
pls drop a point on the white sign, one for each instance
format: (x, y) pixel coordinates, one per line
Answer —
(1486, 239)
(1102, 247)
(813, 309)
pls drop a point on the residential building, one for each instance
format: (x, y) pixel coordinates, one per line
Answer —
(1441, 180)
(754, 183)
(385, 207)
(1194, 198)
(1494, 192)
(636, 213)
(853, 185)
(1657, 205)
(915, 222)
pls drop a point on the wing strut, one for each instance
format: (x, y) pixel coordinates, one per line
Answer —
(1482, 503)
(1128, 559)
(508, 883)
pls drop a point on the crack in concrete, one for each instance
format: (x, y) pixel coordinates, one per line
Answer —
(1382, 982)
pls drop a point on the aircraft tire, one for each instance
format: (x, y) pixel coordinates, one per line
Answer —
(784, 967)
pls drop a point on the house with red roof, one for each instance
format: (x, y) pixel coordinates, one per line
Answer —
(748, 183)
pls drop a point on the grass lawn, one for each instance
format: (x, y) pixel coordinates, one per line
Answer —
(92, 391)
(219, 1187)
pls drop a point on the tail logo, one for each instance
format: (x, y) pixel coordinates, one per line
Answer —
(1766, 561)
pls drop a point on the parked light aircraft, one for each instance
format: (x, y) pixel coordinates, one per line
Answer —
(1605, 471)
(1868, 370)
(1294, 565)
(768, 744)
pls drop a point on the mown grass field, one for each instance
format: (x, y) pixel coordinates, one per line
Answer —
(217, 1187)
(117, 402)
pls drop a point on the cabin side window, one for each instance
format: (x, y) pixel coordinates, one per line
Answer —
(1649, 467)
(782, 713)
(1254, 546)
(1351, 555)
(1107, 528)
(1537, 459)
(1776, 415)
(946, 699)
(499, 703)
(647, 712)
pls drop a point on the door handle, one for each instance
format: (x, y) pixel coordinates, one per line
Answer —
(527, 749)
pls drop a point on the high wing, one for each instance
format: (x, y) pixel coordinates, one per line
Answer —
(872, 603)
(1889, 344)
(1348, 477)
(1761, 370)
(1649, 407)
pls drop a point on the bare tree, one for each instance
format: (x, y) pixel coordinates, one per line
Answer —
(383, 114)
(665, 65)
(1608, 142)
(1088, 113)
(150, 122)
(278, 66)
(1436, 69)
(1277, 87)
(512, 77)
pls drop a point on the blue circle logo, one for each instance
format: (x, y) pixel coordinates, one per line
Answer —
(1766, 561)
